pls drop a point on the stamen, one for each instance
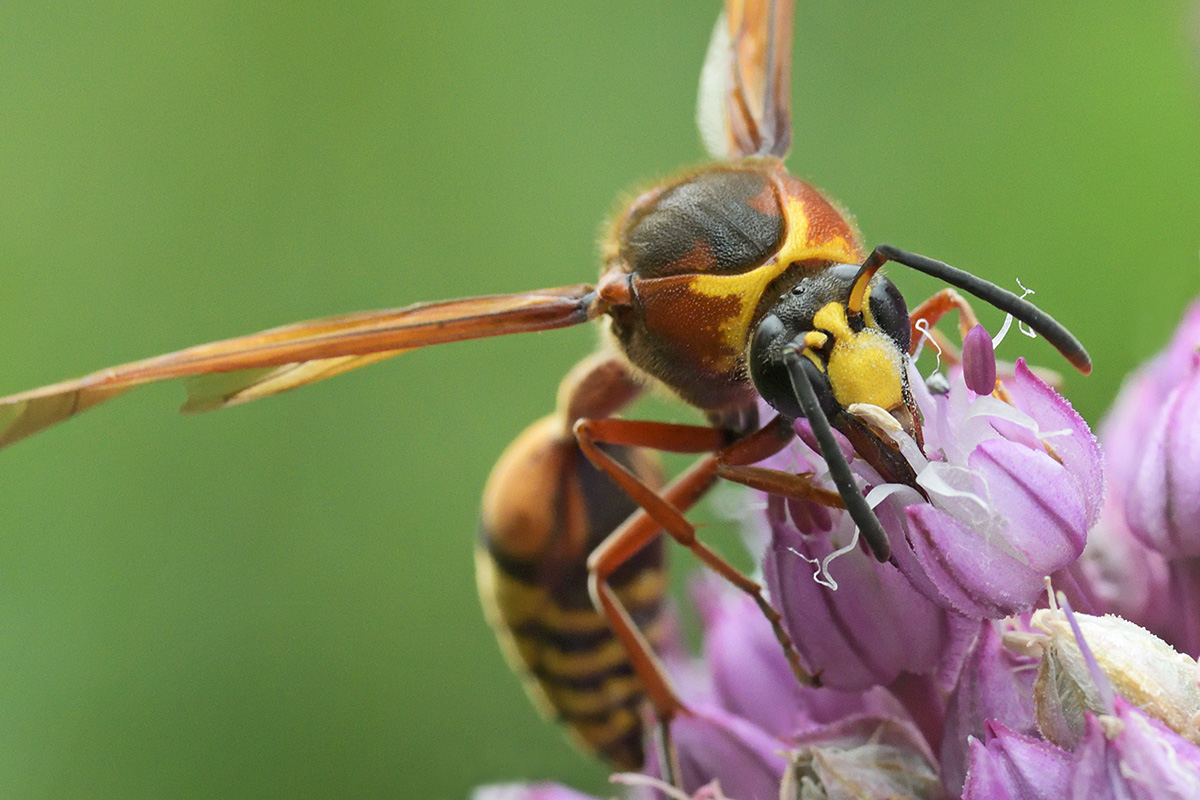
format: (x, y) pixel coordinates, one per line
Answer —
(979, 361)
(821, 574)
(1023, 327)
(1103, 687)
(922, 327)
(1008, 318)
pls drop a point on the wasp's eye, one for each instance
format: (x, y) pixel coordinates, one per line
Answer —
(771, 341)
(890, 311)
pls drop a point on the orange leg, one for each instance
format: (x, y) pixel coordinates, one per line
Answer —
(666, 510)
(784, 484)
(634, 534)
(936, 307)
(932, 310)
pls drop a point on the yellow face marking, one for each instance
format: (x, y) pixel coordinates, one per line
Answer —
(749, 286)
(863, 367)
(815, 339)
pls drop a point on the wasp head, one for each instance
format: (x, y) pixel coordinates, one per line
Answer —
(853, 346)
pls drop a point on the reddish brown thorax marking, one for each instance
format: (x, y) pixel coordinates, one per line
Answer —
(827, 223)
(701, 255)
(766, 202)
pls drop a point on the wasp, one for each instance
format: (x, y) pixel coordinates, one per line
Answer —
(727, 285)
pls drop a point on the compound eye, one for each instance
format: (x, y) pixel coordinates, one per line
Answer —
(890, 311)
(769, 373)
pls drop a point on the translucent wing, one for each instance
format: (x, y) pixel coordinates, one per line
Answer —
(744, 107)
(262, 364)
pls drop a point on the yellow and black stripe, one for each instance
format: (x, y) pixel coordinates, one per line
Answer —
(536, 597)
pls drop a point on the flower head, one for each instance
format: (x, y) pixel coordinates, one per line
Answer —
(1007, 490)
(1012, 488)
(911, 653)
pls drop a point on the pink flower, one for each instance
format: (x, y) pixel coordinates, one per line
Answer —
(1153, 451)
(1013, 766)
(995, 684)
(1012, 492)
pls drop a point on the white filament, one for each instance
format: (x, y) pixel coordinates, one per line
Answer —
(1008, 318)
(922, 325)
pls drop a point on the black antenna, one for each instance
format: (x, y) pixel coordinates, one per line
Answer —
(839, 469)
(1041, 322)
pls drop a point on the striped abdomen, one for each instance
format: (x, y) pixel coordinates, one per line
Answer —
(545, 508)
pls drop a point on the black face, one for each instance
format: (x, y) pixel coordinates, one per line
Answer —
(791, 318)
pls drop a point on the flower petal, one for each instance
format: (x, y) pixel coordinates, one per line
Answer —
(712, 744)
(1066, 432)
(873, 627)
(1154, 760)
(1047, 521)
(977, 577)
(995, 685)
(752, 679)
(1163, 506)
(1012, 766)
(1132, 756)
(993, 567)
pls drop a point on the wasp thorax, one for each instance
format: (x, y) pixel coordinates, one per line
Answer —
(718, 220)
(850, 358)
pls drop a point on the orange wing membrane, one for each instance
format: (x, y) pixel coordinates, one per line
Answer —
(744, 106)
(279, 359)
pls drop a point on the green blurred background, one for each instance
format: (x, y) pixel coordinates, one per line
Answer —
(277, 601)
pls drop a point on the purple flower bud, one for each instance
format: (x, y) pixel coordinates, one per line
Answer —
(1012, 766)
(1153, 447)
(873, 627)
(979, 361)
(995, 684)
(1073, 681)
(714, 745)
(1146, 429)
(1125, 430)
(751, 677)
(1163, 506)
(866, 758)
